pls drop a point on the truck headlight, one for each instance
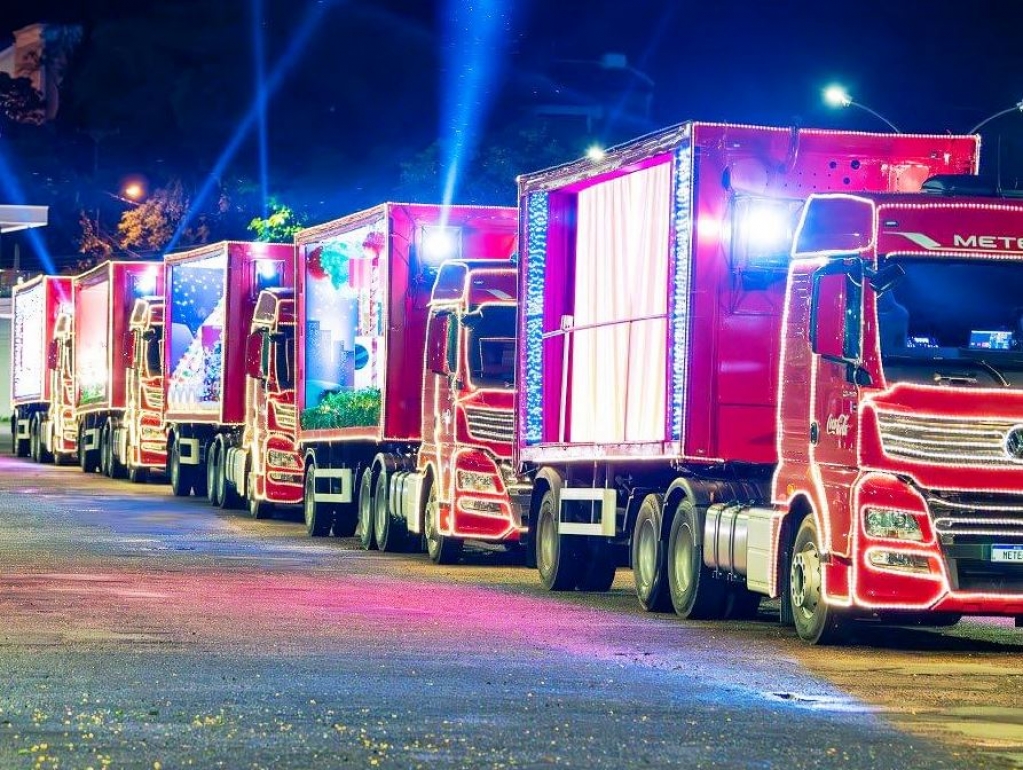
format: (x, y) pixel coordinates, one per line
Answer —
(281, 459)
(892, 523)
(474, 481)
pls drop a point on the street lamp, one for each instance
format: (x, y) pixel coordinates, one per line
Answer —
(1017, 107)
(836, 96)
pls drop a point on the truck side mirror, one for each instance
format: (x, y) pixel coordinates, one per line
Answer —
(254, 356)
(836, 312)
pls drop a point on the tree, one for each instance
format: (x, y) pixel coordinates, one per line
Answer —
(19, 101)
(280, 224)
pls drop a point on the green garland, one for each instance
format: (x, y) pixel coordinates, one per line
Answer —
(344, 409)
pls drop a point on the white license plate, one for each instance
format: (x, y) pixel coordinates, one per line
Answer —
(1011, 553)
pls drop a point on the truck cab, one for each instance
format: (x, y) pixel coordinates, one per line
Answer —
(266, 467)
(59, 429)
(140, 442)
(471, 489)
(904, 445)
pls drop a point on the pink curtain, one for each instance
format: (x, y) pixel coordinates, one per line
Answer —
(617, 390)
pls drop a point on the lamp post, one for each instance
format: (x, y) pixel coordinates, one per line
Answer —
(1017, 107)
(836, 96)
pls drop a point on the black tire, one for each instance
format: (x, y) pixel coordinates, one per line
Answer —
(598, 572)
(650, 557)
(34, 440)
(695, 594)
(115, 468)
(260, 509)
(199, 485)
(45, 455)
(741, 603)
(556, 554)
(61, 459)
(391, 531)
(227, 492)
(816, 622)
(138, 474)
(213, 460)
(180, 475)
(440, 548)
(319, 518)
(365, 505)
(105, 450)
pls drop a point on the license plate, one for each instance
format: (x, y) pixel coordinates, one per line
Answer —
(1010, 553)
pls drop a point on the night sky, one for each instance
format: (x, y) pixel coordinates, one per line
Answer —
(369, 87)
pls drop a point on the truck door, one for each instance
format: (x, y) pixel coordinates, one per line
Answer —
(836, 340)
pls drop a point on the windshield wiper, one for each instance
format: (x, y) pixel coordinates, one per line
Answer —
(995, 373)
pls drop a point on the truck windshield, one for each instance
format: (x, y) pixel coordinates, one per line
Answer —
(490, 346)
(954, 323)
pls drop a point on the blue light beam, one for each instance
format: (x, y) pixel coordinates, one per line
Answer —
(471, 63)
(305, 31)
(12, 189)
(260, 71)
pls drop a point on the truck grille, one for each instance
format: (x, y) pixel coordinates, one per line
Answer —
(968, 524)
(946, 441)
(491, 425)
(977, 516)
(285, 416)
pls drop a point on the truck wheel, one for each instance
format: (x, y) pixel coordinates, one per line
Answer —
(34, 441)
(649, 557)
(440, 549)
(45, 455)
(104, 450)
(366, 538)
(180, 476)
(598, 572)
(815, 620)
(695, 594)
(226, 492)
(115, 468)
(199, 485)
(319, 517)
(741, 604)
(556, 554)
(391, 532)
(138, 474)
(61, 459)
(212, 466)
(260, 509)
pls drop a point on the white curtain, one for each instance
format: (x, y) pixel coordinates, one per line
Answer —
(617, 370)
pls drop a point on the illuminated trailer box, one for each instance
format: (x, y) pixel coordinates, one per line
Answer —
(363, 291)
(36, 306)
(210, 299)
(103, 300)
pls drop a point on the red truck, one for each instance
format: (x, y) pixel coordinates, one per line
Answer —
(208, 307)
(40, 381)
(101, 349)
(670, 404)
(404, 381)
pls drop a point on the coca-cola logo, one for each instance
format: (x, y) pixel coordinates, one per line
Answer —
(838, 425)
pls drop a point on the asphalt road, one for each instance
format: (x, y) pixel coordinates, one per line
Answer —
(142, 631)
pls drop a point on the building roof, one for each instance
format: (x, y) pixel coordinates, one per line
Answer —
(22, 217)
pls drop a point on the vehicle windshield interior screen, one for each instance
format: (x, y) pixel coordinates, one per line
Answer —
(990, 340)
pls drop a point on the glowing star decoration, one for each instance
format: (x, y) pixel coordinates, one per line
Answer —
(537, 218)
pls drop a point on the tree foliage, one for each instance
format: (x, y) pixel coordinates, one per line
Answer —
(19, 101)
(279, 225)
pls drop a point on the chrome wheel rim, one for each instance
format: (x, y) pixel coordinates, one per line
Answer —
(681, 563)
(805, 580)
(646, 552)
